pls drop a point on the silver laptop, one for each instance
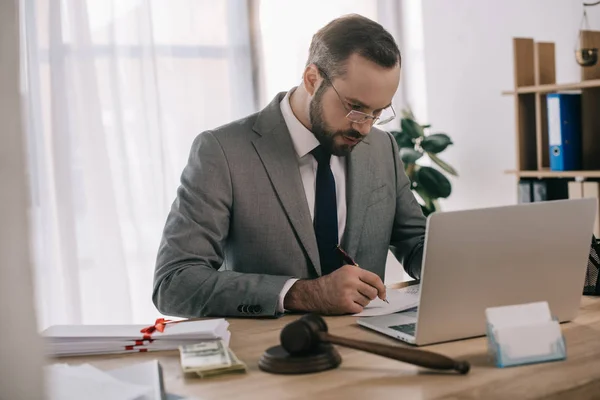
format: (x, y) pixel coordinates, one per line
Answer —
(490, 257)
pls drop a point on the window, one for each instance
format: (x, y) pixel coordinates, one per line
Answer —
(116, 92)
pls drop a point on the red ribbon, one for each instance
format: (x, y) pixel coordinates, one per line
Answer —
(159, 325)
(139, 350)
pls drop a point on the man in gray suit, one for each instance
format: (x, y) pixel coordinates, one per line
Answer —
(264, 201)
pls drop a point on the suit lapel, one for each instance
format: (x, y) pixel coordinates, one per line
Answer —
(276, 151)
(358, 191)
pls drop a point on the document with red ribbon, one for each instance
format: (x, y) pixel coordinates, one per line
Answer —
(70, 340)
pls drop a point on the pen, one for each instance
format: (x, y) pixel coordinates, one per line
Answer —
(349, 260)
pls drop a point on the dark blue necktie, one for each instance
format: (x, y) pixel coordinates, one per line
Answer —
(325, 218)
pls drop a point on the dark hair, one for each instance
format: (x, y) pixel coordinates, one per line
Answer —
(352, 34)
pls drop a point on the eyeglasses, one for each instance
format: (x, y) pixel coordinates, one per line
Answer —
(358, 117)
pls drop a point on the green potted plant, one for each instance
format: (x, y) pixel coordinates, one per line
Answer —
(414, 143)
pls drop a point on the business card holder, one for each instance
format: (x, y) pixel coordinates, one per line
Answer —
(514, 339)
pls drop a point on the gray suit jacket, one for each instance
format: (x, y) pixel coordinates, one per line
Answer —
(240, 226)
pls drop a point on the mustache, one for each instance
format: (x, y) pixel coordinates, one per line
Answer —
(353, 134)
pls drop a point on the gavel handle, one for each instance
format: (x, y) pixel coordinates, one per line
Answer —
(422, 358)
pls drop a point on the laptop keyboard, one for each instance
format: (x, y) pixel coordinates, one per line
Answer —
(409, 329)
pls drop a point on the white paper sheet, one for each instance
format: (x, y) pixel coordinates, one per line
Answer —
(399, 300)
(203, 329)
(518, 314)
(140, 381)
(147, 374)
(86, 382)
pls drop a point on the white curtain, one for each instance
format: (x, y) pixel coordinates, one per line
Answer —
(404, 19)
(116, 92)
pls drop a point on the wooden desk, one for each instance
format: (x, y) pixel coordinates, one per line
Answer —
(363, 376)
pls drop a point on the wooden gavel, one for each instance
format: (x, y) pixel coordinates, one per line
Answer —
(304, 335)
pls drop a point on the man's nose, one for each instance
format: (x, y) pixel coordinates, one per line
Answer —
(363, 128)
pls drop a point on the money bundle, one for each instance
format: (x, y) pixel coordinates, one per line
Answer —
(209, 358)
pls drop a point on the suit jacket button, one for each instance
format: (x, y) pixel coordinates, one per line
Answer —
(257, 309)
(240, 308)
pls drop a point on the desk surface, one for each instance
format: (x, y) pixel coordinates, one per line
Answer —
(363, 375)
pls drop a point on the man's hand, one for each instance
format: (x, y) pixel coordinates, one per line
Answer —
(346, 290)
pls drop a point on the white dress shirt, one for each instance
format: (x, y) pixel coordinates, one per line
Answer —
(304, 142)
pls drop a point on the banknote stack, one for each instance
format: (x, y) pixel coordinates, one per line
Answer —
(209, 358)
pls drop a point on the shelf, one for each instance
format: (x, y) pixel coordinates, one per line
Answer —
(593, 83)
(555, 174)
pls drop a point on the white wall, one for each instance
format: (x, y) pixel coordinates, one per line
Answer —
(20, 350)
(466, 47)
(287, 32)
(468, 61)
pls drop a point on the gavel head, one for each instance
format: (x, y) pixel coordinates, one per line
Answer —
(302, 336)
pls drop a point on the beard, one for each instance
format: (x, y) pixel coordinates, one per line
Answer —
(324, 134)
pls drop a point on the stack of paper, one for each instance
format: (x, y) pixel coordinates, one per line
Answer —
(70, 340)
(141, 381)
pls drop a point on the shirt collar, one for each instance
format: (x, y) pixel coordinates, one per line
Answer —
(303, 139)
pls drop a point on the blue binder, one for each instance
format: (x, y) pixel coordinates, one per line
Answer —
(564, 131)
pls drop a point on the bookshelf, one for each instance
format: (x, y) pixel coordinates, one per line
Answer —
(546, 173)
(592, 83)
(534, 77)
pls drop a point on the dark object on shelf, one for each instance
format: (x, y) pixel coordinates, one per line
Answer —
(525, 191)
(586, 56)
(534, 190)
(592, 282)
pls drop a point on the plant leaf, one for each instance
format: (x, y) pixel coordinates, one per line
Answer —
(433, 182)
(426, 126)
(426, 211)
(410, 127)
(409, 156)
(436, 143)
(407, 113)
(442, 164)
(403, 139)
(409, 169)
(424, 196)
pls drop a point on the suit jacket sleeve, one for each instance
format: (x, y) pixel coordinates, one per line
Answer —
(187, 280)
(408, 233)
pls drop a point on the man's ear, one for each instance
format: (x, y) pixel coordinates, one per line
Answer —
(311, 79)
